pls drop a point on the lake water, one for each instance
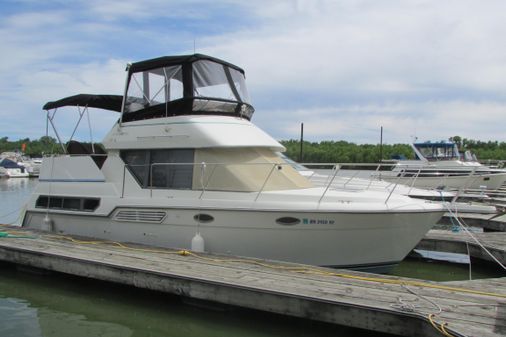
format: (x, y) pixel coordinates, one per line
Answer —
(51, 305)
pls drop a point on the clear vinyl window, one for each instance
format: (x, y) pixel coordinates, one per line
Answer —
(154, 87)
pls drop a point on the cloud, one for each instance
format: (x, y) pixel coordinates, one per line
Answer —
(401, 121)
(344, 68)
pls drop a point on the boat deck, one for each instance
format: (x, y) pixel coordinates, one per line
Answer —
(389, 304)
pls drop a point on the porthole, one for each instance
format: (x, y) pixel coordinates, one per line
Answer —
(203, 218)
(288, 221)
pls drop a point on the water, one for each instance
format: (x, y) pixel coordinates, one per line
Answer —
(51, 305)
(14, 193)
(57, 305)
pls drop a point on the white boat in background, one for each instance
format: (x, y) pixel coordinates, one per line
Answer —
(184, 167)
(439, 165)
(363, 180)
(11, 169)
(30, 165)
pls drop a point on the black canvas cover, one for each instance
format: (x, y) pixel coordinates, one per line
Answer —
(107, 102)
(7, 163)
(165, 61)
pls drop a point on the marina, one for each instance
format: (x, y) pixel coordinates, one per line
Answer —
(252, 169)
(380, 303)
(185, 196)
(345, 299)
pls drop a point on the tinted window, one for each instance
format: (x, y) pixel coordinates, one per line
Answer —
(67, 203)
(161, 168)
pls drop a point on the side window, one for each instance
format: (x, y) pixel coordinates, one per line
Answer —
(169, 169)
(138, 164)
(161, 168)
(67, 203)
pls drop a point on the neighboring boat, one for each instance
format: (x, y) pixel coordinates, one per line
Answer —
(356, 180)
(184, 167)
(31, 165)
(439, 165)
(11, 169)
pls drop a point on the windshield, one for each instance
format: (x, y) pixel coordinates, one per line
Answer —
(154, 87)
(213, 80)
(189, 85)
(438, 151)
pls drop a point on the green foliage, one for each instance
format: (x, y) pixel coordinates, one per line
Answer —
(344, 152)
(33, 148)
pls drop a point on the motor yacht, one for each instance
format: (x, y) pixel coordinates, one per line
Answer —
(26, 166)
(184, 167)
(440, 165)
(11, 169)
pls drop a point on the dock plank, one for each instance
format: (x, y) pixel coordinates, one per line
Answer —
(460, 242)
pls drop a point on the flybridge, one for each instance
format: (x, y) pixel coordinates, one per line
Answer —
(169, 86)
(185, 85)
(173, 86)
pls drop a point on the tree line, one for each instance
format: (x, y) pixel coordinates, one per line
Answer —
(33, 148)
(345, 152)
(313, 152)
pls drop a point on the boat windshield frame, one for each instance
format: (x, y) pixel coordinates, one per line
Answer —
(437, 151)
(185, 85)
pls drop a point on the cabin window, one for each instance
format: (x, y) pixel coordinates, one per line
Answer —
(154, 87)
(67, 203)
(166, 168)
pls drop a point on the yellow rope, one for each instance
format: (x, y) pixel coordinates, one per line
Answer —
(441, 329)
(113, 243)
(446, 333)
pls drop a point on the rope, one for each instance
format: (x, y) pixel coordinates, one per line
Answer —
(475, 238)
(15, 235)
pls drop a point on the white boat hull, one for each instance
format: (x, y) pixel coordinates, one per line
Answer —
(352, 240)
(13, 173)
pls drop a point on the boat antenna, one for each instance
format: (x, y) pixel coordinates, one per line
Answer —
(194, 45)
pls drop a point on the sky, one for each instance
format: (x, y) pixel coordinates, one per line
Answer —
(429, 69)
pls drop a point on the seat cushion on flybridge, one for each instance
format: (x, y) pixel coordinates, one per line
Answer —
(77, 148)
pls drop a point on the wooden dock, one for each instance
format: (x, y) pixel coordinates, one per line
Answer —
(388, 304)
(460, 242)
(489, 222)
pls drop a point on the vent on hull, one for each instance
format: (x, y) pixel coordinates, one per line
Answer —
(140, 216)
